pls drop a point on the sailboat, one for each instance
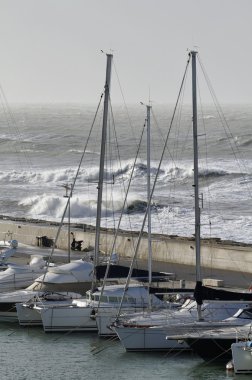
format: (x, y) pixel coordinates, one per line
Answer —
(15, 276)
(105, 316)
(80, 315)
(75, 314)
(149, 332)
(64, 310)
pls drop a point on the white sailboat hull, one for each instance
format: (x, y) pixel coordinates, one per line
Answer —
(148, 332)
(81, 314)
(29, 315)
(8, 303)
(106, 316)
(147, 339)
(72, 318)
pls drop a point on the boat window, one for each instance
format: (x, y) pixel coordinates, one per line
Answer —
(130, 300)
(113, 299)
(246, 314)
(102, 299)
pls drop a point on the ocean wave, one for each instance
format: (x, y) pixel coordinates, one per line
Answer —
(207, 117)
(81, 207)
(84, 206)
(186, 172)
(53, 137)
(32, 151)
(241, 141)
(78, 151)
(54, 206)
(40, 177)
(246, 142)
(122, 172)
(138, 206)
(6, 137)
(89, 174)
(213, 173)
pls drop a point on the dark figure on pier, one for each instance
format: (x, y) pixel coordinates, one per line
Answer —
(76, 244)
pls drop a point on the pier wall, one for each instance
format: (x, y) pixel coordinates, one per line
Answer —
(171, 249)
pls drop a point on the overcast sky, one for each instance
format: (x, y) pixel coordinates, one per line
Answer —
(51, 49)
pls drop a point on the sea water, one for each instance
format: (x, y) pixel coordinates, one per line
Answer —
(29, 353)
(41, 148)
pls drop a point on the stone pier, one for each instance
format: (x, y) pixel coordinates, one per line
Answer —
(215, 254)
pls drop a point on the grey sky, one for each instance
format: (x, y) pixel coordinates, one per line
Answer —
(50, 49)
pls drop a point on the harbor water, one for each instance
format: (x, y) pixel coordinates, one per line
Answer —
(29, 353)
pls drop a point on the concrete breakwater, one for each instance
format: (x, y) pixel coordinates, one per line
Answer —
(215, 254)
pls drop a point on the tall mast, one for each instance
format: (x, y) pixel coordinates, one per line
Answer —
(196, 175)
(196, 167)
(102, 160)
(148, 197)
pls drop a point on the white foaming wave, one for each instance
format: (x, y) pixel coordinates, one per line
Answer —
(173, 219)
(212, 172)
(78, 151)
(9, 137)
(32, 151)
(42, 176)
(185, 171)
(122, 170)
(44, 205)
(207, 117)
(53, 206)
(181, 172)
(117, 171)
(180, 221)
(169, 172)
(12, 176)
(242, 140)
(60, 175)
(92, 152)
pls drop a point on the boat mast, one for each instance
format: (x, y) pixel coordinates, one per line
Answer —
(149, 200)
(196, 176)
(102, 161)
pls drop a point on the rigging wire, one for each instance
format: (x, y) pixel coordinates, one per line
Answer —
(231, 140)
(175, 146)
(124, 102)
(72, 188)
(161, 225)
(11, 121)
(153, 188)
(229, 134)
(120, 164)
(204, 176)
(120, 219)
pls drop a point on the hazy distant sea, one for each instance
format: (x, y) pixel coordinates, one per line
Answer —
(41, 147)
